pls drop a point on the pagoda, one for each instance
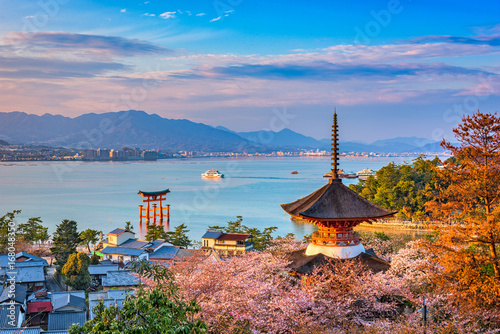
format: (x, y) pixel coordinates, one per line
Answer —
(335, 209)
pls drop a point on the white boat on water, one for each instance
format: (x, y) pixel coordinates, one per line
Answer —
(212, 174)
(365, 173)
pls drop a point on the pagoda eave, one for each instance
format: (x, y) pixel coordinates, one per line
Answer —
(358, 220)
(153, 193)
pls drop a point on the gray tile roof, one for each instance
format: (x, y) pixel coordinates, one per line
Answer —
(33, 260)
(211, 235)
(27, 330)
(5, 312)
(132, 243)
(64, 320)
(26, 274)
(122, 251)
(99, 269)
(118, 231)
(19, 294)
(164, 253)
(68, 300)
(120, 278)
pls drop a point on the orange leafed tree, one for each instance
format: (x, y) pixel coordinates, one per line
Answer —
(469, 200)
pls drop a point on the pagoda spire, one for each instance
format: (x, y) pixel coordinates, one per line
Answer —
(335, 149)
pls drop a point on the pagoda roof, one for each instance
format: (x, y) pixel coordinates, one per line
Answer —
(153, 193)
(335, 201)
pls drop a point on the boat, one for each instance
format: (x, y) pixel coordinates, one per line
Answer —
(341, 175)
(212, 174)
(365, 173)
(295, 172)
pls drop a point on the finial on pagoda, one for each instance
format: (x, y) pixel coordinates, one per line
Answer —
(335, 149)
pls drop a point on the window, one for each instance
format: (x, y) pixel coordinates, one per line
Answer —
(240, 242)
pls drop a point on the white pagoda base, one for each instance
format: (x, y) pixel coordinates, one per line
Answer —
(338, 252)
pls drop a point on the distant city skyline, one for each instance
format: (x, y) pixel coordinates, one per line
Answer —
(391, 68)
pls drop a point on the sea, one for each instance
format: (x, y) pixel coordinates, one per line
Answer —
(104, 195)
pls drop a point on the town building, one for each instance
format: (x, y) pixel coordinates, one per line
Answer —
(226, 244)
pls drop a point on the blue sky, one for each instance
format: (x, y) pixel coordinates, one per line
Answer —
(391, 68)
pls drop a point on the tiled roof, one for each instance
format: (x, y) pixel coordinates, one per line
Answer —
(32, 258)
(4, 312)
(68, 300)
(120, 278)
(36, 307)
(122, 251)
(27, 330)
(19, 294)
(211, 235)
(118, 231)
(233, 236)
(26, 274)
(164, 253)
(64, 320)
(100, 269)
(33, 261)
(132, 243)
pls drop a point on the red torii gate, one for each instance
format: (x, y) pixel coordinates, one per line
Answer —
(154, 210)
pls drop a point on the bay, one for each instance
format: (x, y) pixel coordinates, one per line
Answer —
(103, 195)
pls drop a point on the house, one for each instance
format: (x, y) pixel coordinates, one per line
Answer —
(226, 244)
(25, 330)
(123, 279)
(122, 247)
(68, 308)
(38, 310)
(98, 271)
(28, 270)
(109, 298)
(17, 295)
(11, 316)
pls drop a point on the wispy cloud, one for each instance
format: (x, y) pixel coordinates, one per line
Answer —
(215, 19)
(228, 12)
(168, 15)
(29, 17)
(201, 14)
(148, 14)
(123, 10)
(107, 45)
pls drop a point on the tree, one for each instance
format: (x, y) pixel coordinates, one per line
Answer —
(33, 231)
(261, 239)
(89, 237)
(468, 203)
(129, 226)
(179, 237)
(65, 240)
(157, 308)
(155, 232)
(76, 271)
(7, 225)
(405, 188)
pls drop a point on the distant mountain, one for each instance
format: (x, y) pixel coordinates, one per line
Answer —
(149, 131)
(4, 143)
(283, 139)
(115, 130)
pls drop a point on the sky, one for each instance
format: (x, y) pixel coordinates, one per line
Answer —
(390, 68)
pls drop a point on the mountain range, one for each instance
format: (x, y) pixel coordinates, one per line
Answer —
(149, 131)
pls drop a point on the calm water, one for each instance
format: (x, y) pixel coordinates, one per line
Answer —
(104, 195)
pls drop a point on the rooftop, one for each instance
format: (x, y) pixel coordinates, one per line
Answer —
(133, 243)
(122, 251)
(153, 193)
(233, 236)
(19, 294)
(120, 278)
(39, 306)
(164, 253)
(61, 301)
(64, 320)
(118, 231)
(101, 269)
(26, 330)
(5, 321)
(335, 201)
(211, 235)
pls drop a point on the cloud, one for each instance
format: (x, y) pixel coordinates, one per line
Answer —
(29, 17)
(168, 15)
(228, 12)
(123, 10)
(109, 45)
(42, 68)
(215, 19)
(201, 14)
(324, 71)
(148, 14)
(485, 40)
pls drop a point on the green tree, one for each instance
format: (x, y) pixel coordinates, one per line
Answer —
(65, 240)
(159, 309)
(7, 224)
(76, 271)
(129, 226)
(261, 239)
(155, 232)
(33, 231)
(179, 237)
(89, 237)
